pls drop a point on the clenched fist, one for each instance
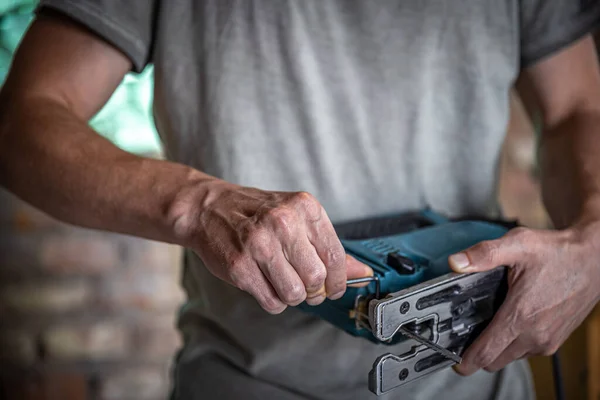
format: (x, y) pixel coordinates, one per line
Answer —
(278, 246)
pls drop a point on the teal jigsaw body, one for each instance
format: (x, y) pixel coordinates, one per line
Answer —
(425, 249)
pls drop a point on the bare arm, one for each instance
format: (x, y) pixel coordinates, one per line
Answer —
(553, 274)
(49, 156)
(564, 94)
(279, 247)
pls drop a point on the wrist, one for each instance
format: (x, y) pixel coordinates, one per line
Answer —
(582, 241)
(586, 226)
(193, 197)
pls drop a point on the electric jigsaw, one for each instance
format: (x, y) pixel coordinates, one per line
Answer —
(413, 300)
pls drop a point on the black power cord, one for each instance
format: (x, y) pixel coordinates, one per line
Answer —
(559, 389)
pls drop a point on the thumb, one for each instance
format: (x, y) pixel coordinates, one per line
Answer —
(356, 269)
(486, 255)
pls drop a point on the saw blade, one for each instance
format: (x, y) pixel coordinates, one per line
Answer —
(433, 346)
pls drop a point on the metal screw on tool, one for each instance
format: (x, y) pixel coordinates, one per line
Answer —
(418, 329)
(404, 307)
(403, 374)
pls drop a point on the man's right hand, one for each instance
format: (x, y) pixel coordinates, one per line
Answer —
(278, 246)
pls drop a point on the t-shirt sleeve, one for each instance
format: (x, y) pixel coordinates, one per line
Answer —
(126, 24)
(548, 26)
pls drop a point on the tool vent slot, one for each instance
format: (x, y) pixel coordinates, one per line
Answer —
(380, 246)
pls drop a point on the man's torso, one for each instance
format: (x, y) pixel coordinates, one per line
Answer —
(373, 107)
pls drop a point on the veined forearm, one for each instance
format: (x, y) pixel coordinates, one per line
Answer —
(53, 160)
(570, 168)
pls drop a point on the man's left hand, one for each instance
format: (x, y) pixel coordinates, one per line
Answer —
(554, 283)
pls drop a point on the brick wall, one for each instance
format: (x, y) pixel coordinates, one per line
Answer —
(83, 313)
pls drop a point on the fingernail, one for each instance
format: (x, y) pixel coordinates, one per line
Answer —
(337, 295)
(314, 301)
(368, 271)
(460, 369)
(460, 260)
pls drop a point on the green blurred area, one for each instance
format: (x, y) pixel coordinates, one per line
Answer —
(126, 119)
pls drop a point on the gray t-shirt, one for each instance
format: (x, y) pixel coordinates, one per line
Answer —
(375, 107)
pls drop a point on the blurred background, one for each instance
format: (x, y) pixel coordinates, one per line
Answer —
(90, 315)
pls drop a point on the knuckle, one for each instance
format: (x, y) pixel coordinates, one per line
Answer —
(283, 219)
(304, 198)
(315, 277)
(237, 271)
(309, 204)
(334, 257)
(259, 241)
(489, 250)
(484, 358)
(258, 236)
(294, 294)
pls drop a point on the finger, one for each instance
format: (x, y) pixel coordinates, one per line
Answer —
(284, 279)
(298, 251)
(487, 255)
(515, 351)
(494, 339)
(356, 269)
(331, 252)
(257, 285)
(302, 256)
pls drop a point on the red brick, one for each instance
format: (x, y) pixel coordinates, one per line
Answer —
(45, 297)
(153, 256)
(89, 253)
(17, 347)
(147, 383)
(47, 386)
(97, 341)
(138, 289)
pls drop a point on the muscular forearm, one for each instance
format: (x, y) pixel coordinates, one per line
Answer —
(278, 246)
(52, 159)
(570, 169)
